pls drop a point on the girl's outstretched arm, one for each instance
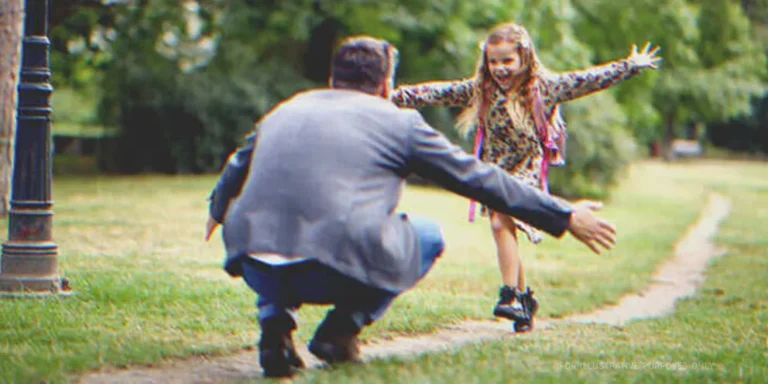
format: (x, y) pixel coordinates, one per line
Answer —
(456, 93)
(573, 85)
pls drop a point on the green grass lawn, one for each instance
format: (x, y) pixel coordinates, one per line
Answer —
(718, 335)
(148, 288)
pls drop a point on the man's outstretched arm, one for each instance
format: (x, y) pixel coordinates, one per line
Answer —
(433, 157)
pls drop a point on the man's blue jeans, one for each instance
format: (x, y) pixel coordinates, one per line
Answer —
(283, 288)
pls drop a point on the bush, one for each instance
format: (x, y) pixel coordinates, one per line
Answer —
(599, 149)
(176, 122)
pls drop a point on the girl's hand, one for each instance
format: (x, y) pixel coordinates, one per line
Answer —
(646, 58)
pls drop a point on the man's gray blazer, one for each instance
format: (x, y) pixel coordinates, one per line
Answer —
(327, 173)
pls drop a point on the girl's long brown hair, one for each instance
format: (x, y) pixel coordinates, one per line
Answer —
(475, 115)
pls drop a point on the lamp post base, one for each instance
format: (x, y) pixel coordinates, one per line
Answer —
(26, 286)
(30, 268)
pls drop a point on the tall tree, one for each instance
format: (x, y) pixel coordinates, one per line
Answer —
(185, 80)
(747, 132)
(11, 29)
(712, 67)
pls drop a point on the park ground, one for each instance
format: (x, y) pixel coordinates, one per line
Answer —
(148, 289)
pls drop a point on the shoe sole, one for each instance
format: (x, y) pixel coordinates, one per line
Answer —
(502, 314)
(523, 327)
(324, 352)
(280, 365)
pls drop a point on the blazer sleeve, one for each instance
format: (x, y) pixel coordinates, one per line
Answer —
(433, 157)
(231, 180)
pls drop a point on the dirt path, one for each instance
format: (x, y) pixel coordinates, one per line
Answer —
(678, 278)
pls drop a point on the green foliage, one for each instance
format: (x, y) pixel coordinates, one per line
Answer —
(71, 106)
(186, 100)
(747, 134)
(599, 149)
(746, 131)
(712, 67)
(184, 82)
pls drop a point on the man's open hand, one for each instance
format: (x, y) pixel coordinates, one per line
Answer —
(590, 229)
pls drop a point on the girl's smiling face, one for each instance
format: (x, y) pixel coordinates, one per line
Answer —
(504, 62)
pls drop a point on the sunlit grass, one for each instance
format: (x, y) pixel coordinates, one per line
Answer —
(719, 335)
(148, 287)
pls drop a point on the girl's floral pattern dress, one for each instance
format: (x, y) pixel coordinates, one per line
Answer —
(511, 139)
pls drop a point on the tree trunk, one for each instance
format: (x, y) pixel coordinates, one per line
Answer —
(669, 135)
(11, 29)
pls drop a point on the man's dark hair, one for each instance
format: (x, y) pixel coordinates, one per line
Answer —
(361, 63)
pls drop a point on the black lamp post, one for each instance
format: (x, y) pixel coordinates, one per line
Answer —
(29, 261)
